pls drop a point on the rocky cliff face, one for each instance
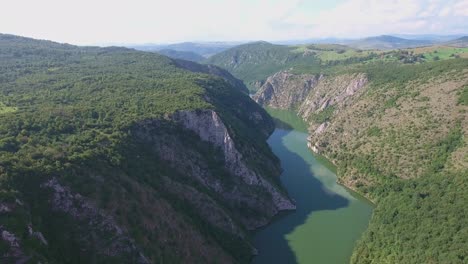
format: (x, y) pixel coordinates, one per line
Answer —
(240, 183)
(285, 90)
(348, 120)
(332, 92)
(210, 128)
(315, 98)
(197, 190)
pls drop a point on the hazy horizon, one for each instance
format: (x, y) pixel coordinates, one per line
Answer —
(105, 22)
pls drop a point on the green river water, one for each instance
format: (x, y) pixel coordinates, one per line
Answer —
(329, 218)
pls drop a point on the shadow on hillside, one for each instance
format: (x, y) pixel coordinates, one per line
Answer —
(310, 196)
(281, 124)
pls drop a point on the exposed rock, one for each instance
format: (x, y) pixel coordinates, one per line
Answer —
(321, 128)
(37, 235)
(14, 254)
(209, 126)
(332, 91)
(285, 90)
(10, 238)
(309, 95)
(240, 187)
(4, 208)
(314, 148)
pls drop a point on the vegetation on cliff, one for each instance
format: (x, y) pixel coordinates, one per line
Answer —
(84, 133)
(395, 123)
(254, 62)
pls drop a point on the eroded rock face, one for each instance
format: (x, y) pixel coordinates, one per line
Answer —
(285, 90)
(332, 91)
(14, 253)
(243, 188)
(310, 95)
(209, 126)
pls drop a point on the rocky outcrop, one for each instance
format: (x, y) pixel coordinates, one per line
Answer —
(14, 253)
(240, 186)
(332, 91)
(285, 90)
(310, 95)
(209, 126)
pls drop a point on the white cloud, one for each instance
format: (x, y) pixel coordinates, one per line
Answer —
(139, 21)
(461, 8)
(355, 18)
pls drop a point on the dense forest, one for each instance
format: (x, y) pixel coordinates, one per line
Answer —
(95, 169)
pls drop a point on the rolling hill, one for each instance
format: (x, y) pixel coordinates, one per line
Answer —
(386, 42)
(460, 42)
(183, 55)
(205, 49)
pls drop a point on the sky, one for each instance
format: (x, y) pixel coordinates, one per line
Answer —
(86, 22)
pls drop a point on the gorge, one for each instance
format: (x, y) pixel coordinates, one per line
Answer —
(329, 218)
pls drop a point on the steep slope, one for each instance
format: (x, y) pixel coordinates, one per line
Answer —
(213, 70)
(109, 155)
(255, 61)
(183, 55)
(397, 134)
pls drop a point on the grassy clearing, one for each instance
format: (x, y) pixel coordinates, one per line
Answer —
(6, 109)
(331, 52)
(441, 52)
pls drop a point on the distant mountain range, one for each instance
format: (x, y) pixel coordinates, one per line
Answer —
(184, 55)
(384, 42)
(199, 51)
(204, 49)
(460, 42)
(388, 42)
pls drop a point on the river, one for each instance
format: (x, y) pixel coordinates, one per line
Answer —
(329, 218)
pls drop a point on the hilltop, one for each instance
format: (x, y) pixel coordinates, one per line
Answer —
(386, 42)
(184, 55)
(460, 42)
(205, 49)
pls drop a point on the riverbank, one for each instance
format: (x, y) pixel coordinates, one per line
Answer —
(329, 218)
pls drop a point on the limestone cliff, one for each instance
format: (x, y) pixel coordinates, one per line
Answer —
(314, 97)
(285, 90)
(370, 127)
(240, 183)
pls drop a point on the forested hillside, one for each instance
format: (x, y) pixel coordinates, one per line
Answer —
(110, 155)
(255, 62)
(395, 124)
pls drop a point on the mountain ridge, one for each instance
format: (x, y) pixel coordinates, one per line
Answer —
(116, 155)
